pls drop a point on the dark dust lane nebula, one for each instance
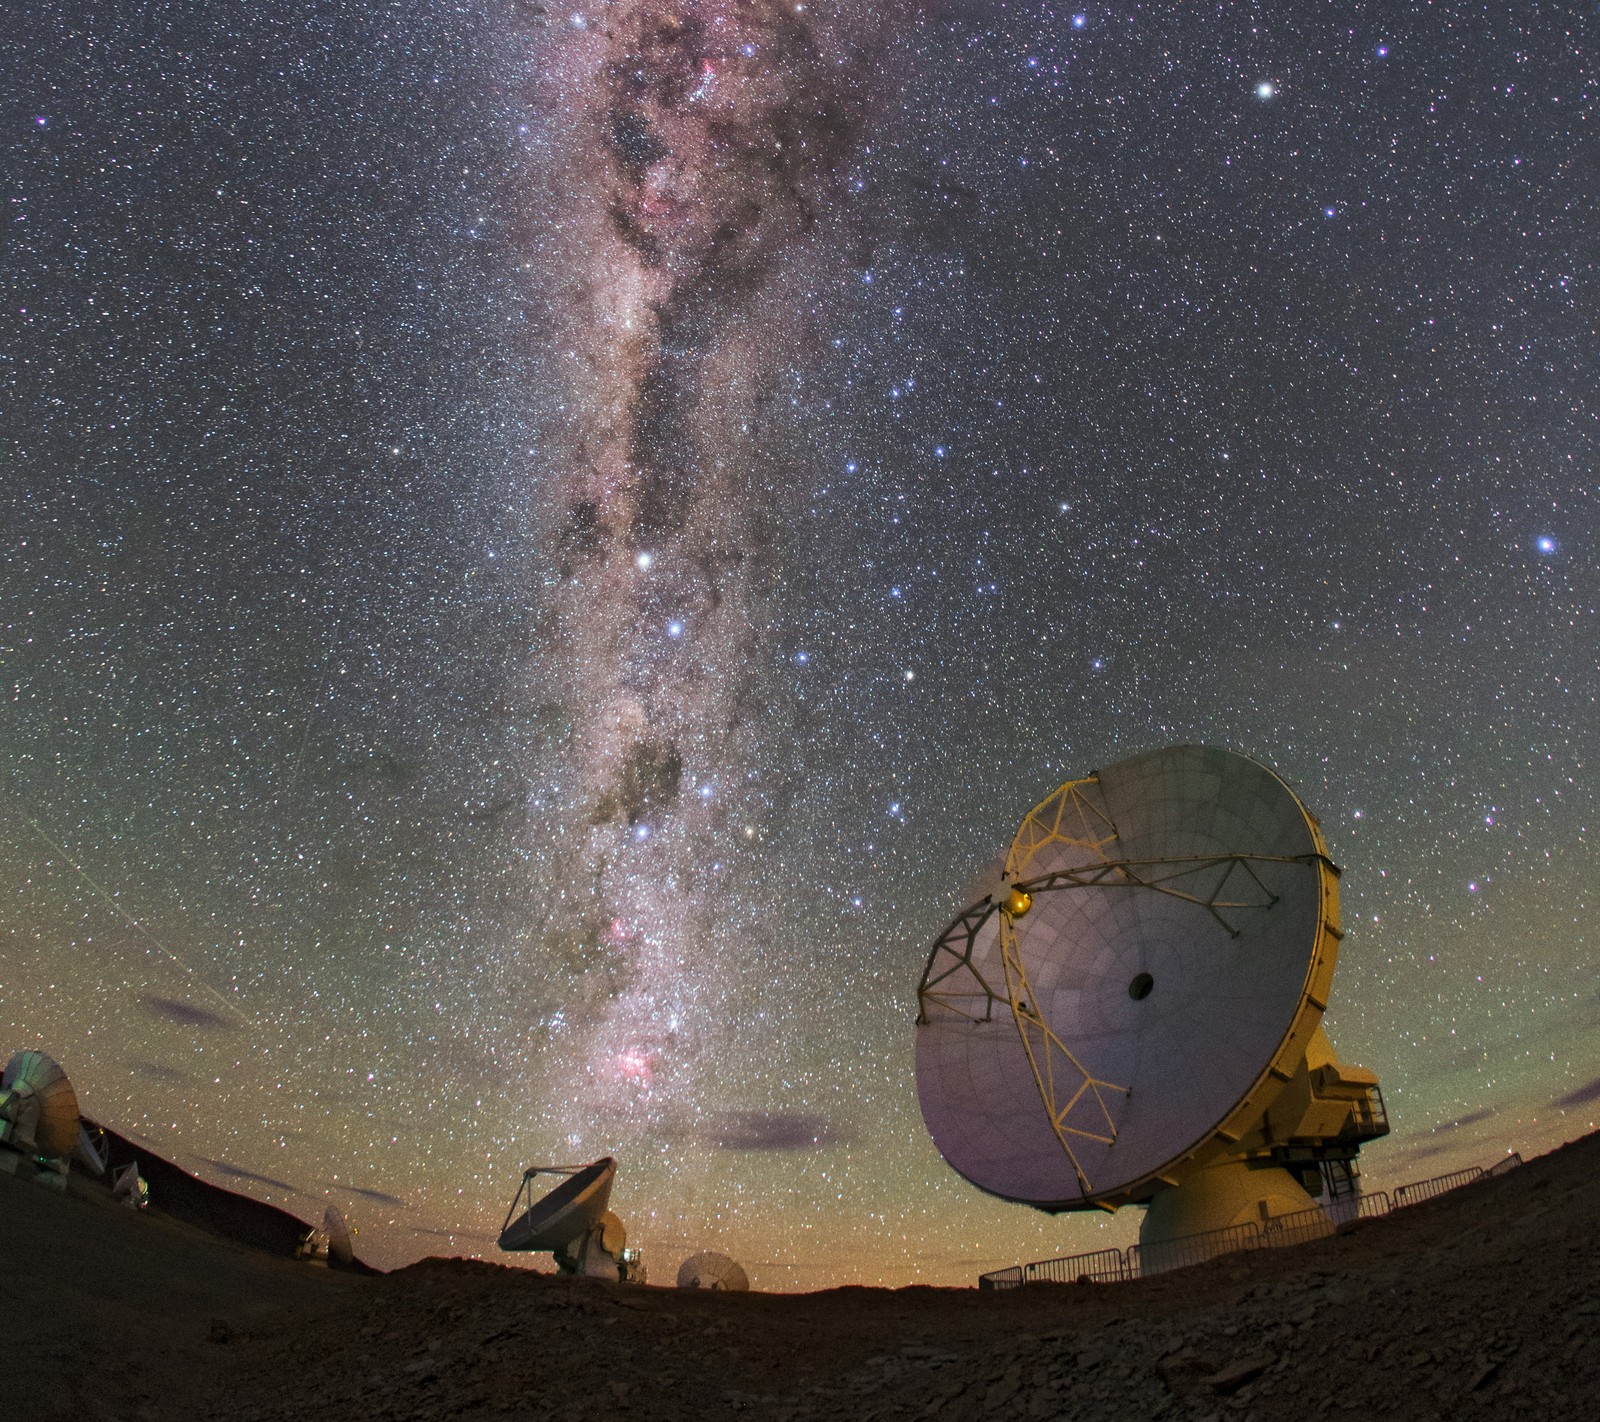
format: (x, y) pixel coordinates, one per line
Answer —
(704, 145)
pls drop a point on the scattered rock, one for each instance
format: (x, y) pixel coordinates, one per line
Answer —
(1230, 1379)
(1185, 1371)
(1486, 1374)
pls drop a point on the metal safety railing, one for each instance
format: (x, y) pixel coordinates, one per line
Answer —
(1139, 1261)
(1420, 1190)
(1189, 1249)
(1283, 1231)
(1103, 1266)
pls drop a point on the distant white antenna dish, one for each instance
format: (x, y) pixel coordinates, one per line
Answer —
(38, 1119)
(130, 1188)
(1133, 1015)
(710, 1270)
(572, 1222)
(331, 1242)
(341, 1236)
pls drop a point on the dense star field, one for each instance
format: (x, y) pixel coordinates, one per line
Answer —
(546, 550)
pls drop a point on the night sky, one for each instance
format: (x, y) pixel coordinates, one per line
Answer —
(546, 550)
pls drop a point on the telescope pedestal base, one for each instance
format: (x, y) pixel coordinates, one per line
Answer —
(590, 1257)
(1187, 1224)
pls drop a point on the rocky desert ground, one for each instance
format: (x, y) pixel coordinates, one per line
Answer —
(1483, 1303)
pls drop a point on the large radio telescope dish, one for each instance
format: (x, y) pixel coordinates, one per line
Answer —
(1133, 1001)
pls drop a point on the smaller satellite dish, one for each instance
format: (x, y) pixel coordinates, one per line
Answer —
(332, 1242)
(130, 1188)
(568, 1212)
(341, 1236)
(38, 1117)
(710, 1270)
(573, 1222)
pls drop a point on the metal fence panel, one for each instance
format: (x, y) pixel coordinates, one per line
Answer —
(1375, 1204)
(1147, 1259)
(1301, 1227)
(1420, 1190)
(1103, 1266)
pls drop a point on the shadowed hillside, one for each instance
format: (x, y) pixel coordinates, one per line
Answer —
(1484, 1300)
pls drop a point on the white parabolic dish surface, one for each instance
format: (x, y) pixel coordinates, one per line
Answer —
(1217, 1006)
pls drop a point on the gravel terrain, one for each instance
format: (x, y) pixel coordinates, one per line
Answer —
(1484, 1302)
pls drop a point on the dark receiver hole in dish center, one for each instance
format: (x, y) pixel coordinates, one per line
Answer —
(1139, 988)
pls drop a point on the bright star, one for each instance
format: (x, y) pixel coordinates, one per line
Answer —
(1547, 545)
(645, 562)
(1266, 89)
(674, 630)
